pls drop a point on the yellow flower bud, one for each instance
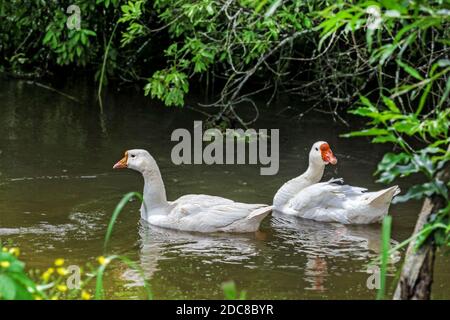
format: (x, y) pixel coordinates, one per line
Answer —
(15, 251)
(61, 271)
(5, 264)
(102, 260)
(62, 287)
(85, 295)
(59, 262)
(47, 274)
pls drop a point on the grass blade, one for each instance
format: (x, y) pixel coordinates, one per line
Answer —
(116, 213)
(385, 248)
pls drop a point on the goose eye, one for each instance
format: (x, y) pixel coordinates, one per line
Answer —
(133, 156)
(317, 149)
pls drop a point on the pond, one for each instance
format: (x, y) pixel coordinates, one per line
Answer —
(58, 191)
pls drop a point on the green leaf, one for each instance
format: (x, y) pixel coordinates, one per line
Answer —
(390, 104)
(424, 162)
(409, 125)
(413, 72)
(7, 287)
(366, 132)
(48, 37)
(393, 165)
(417, 192)
(387, 138)
(423, 98)
(365, 112)
(229, 290)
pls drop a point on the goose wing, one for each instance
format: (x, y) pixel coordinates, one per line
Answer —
(208, 213)
(325, 201)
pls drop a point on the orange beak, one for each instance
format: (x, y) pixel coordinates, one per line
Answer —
(327, 154)
(122, 163)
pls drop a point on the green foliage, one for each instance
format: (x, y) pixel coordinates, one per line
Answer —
(231, 293)
(35, 38)
(385, 253)
(14, 282)
(205, 34)
(18, 284)
(412, 112)
(325, 45)
(169, 86)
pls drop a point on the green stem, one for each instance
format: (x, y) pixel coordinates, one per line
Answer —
(102, 74)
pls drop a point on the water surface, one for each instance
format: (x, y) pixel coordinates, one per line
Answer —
(58, 190)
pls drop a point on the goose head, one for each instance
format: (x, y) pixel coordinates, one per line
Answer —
(321, 154)
(136, 159)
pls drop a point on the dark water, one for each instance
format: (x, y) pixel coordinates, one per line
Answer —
(57, 192)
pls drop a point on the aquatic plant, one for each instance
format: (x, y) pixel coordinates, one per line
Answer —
(18, 284)
(385, 255)
(231, 293)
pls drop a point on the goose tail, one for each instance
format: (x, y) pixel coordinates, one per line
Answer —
(260, 213)
(383, 197)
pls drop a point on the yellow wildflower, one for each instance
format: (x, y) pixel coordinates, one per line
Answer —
(15, 251)
(5, 264)
(61, 271)
(61, 287)
(85, 295)
(59, 262)
(102, 260)
(5, 249)
(46, 275)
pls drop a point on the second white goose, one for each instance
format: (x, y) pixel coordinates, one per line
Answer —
(328, 201)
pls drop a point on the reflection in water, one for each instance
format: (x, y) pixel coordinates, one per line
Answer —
(323, 242)
(316, 271)
(328, 239)
(57, 193)
(320, 243)
(157, 244)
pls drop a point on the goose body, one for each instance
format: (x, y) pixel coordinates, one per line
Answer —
(330, 201)
(195, 212)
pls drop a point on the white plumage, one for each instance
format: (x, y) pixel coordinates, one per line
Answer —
(329, 201)
(196, 212)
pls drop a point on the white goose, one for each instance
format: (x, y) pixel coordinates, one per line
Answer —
(305, 197)
(196, 212)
